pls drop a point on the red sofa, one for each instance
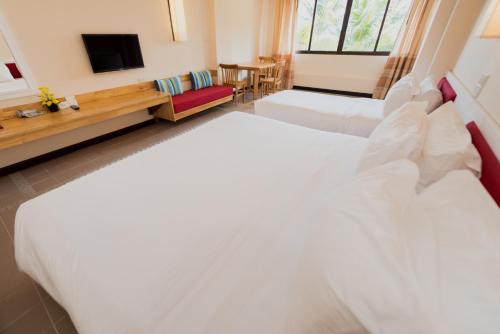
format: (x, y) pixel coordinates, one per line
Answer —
(194, 101)
(194, 98)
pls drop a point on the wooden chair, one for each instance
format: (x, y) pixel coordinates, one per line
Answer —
(275, 81)
(230, 78)
(266, 60)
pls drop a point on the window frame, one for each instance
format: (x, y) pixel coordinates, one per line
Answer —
(345, 23)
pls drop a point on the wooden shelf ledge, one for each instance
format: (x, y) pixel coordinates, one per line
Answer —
(94, 108)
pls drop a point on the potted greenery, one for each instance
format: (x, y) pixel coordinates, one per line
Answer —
(48, 100)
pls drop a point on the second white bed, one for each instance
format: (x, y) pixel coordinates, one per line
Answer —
(333, 113)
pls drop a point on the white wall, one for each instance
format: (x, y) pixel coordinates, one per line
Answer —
(446, 36)
(218, 31)
(237, 30)
(267, 27)
(49, 32)
(5, 54)
(339, 72)
(439, 19)
(481, 57)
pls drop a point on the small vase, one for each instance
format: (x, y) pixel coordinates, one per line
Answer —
(53, 107)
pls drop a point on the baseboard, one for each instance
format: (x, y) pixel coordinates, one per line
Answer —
(332, 91)
(68, 149)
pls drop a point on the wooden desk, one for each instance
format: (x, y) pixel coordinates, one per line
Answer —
(94, 108)
(256, 68)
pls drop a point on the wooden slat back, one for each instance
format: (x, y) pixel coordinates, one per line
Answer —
(279, 69)
(266, 60)
(230, 74)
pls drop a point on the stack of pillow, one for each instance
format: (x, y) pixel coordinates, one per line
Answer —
(403, 262)
(407, 89)
(438, 143)
(426, 233)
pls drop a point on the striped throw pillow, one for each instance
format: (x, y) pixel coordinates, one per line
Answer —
(201, 79)
(173, 86)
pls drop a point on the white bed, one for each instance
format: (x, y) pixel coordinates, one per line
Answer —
(334, 113)
(215, 232)
(200, 234)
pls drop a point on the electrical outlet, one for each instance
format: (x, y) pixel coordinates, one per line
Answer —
(480, 84)
(477, 90)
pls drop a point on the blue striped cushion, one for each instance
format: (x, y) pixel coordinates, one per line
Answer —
(201, 79)
(173, 86)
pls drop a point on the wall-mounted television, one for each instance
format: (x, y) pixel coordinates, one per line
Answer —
(113, 52)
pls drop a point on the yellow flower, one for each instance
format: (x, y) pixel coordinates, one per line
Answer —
(47, 98)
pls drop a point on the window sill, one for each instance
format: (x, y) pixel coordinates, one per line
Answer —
(345, 53)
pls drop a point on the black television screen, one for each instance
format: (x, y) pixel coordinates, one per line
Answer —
(113, 52)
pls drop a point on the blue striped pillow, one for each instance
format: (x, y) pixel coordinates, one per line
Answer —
(201, 79)
(173, 86)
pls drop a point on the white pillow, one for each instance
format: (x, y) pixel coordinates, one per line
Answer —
(5, 74)
(429, 93)
(359, 255)
(454, 243)
(448, 146)
(400, 135)
(400, 93)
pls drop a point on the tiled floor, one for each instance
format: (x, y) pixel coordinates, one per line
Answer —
(24, 306)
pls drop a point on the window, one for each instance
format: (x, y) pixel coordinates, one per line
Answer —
(350, 26)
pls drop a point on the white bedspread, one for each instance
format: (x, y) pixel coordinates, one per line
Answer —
(334, 113)
(200, 234)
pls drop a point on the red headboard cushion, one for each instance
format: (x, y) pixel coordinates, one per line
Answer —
(490, 176)
(447, 91)
(14, 70)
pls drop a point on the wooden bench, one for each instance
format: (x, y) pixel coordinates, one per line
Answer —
(213, 96)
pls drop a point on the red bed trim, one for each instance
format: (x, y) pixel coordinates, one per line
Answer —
(14, 70)
(490, 176)
(447, 90)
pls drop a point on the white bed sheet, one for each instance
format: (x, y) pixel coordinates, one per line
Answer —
(200, 234)
(334, 113)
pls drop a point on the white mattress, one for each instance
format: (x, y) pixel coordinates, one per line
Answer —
(200, 234)
(334, 113)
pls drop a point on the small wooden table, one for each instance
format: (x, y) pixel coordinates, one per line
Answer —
(256, 68)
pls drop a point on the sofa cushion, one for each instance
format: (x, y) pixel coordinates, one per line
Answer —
(201, 79)
(173, 86)
(195, 98)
